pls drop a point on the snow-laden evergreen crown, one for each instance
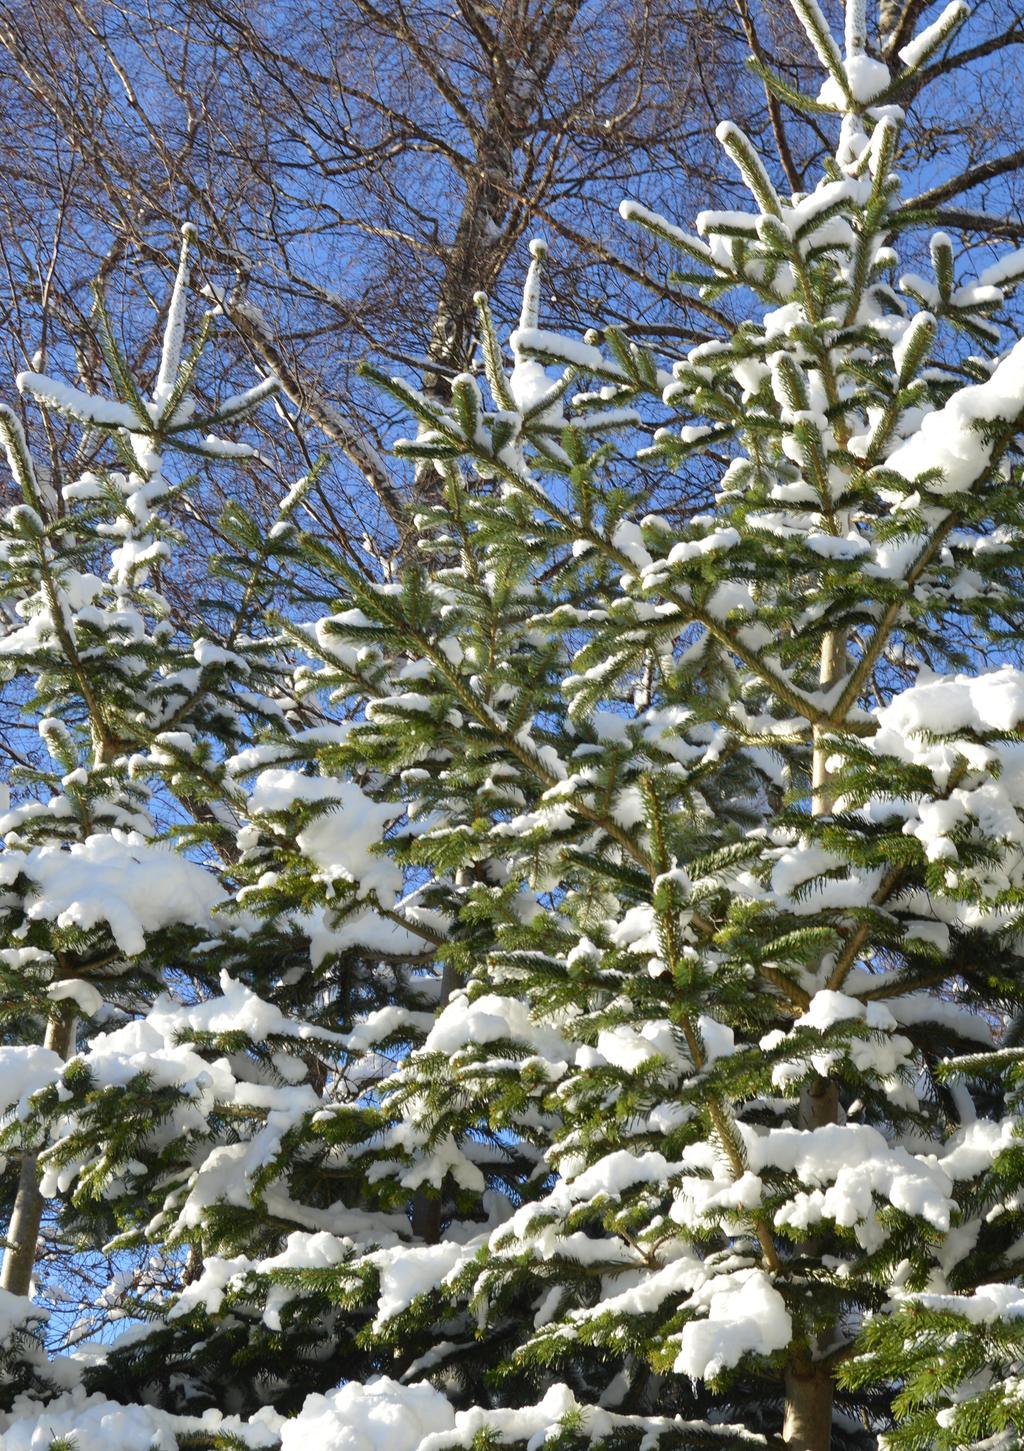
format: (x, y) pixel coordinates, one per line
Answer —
(595, 1020)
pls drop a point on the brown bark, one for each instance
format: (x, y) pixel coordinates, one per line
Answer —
(491, 220)
(808, 1420)
(492, 217)
(809, 1387)
(425, 1213)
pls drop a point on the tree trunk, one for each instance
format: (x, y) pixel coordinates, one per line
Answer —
(808, 1423)
(27, 1215)
(808, 1385)
(426, 1207)
(491, 219)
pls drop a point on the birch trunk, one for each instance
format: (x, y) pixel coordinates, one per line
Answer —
(27, 1215)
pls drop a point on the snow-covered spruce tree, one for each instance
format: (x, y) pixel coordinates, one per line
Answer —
(233, 1121)
(748, 1013)
(136, 709)
(616, 1041)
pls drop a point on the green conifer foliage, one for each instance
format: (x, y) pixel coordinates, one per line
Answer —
(606, 1029)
